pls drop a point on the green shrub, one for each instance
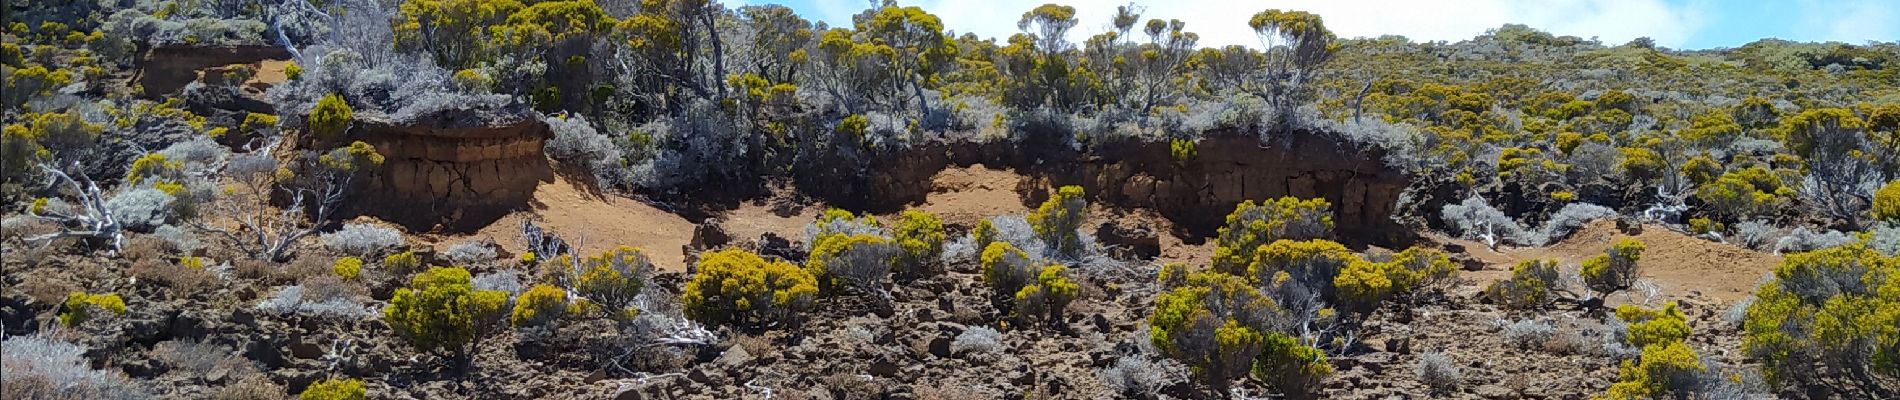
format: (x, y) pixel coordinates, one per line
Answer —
(860, 261)
(1313, 263)
(1648, 327)
(1839, 308)
(348, 267)
(441, 310)
(1615, 270)
(1182, 150)
(1662, 369)
(1887, 202)
(257, 124)
(920, 236)
(611, 280)
(1362, 285)
(330, 120)
(403, 263)
(335, 389)
(735, 286)
(80, 306)
(983, 234)
(1222, 328)
(1530, 285)
(539, 305)
(1006, 270)
(1057, 220)
(1251, 226)
(155, 168)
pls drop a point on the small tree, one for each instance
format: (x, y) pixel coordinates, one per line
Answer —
(1058, 220)
(1295, 44)
(441, 311)
(1046, 300)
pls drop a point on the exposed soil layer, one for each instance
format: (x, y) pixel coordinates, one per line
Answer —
(163, 70)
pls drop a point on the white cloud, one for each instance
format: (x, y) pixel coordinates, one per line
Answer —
(1848, 21)
(1225, 22)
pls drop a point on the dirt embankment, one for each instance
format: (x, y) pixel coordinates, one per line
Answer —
(164, 70)
(1196, 192)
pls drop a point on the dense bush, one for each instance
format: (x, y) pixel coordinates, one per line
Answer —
(470, 252)
(1476, 219)
(1364, 284)
(1532, 285)
(1058, 220)
(611, 280)
(1666, 365)
(920, 236)
(362, 240)
(1886, 206)
(861, 262)
(81, 306)
(1006, 270)
(403, 263)
(441, 311)
(539, 305)
(734, 286)
(1252, 226)
(1438, 372)
(1529, 334)
(1804, 240)
(1615, 270)
(1223, 327)
(1833, 307)
(1312, 264)
(38, 366)
(330, 120)
(348, 267)
(335, 389)
(577, 145)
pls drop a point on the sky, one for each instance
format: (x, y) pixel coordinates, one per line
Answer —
(1680, 24)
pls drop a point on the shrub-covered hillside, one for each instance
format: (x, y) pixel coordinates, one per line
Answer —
(348, 199)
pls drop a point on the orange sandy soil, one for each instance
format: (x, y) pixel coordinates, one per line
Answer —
(1681, 265)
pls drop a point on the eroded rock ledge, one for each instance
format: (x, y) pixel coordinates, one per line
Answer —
(453, 170)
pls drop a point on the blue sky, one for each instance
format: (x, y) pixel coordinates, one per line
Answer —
(1685, 24)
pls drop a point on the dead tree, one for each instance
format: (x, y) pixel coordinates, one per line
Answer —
(91, 220)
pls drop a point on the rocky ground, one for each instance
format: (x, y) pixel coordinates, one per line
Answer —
(201, 333)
